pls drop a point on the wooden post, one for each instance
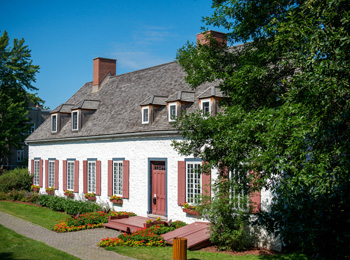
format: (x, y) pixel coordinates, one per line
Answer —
(179, 248)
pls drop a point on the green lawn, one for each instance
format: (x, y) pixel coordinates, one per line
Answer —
(166, 253)
(15, 246)
(44, 217)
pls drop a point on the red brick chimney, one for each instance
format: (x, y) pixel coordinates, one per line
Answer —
(101, 68)
(220, 37)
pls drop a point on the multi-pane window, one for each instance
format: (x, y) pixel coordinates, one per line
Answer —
(70, 175)
(36, 172)
(118, 178)
(51, 173)
(20, 154)
(145, 115)
(238, 190)
(205, 107)
(172, 112)
(91, 177)
(193, 181)
(75, 120)
(54, 123)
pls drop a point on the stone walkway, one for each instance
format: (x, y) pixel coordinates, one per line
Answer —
(82, 244)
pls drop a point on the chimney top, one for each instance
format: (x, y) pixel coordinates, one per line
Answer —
(101, 68)
(220, 37)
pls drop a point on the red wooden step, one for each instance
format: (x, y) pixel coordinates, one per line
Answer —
(130, 224)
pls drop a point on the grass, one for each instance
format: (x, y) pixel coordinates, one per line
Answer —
(166, 253)
(44, 217)
(16, 246)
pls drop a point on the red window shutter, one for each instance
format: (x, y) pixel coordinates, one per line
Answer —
(181, 188)
(46, 173)
(206, 181)
(110, 178)
(76, 176)
(126, 179)
(56, 175)
(40, 173)
(85, 176)
(98, 178)
(254, 197)
(32, 170)
(64, 175)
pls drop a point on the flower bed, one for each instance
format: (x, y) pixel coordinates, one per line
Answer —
(35, 188)
(50, 190)
(69, 193)
(88, 221)
(90, 196)
(143, 237)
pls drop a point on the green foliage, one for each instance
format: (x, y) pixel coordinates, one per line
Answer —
(16, 76)
(88, 218)
(228, 214)
(286, 116)
(71, 207)
(18, 179)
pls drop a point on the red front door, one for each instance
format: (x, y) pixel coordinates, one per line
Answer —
(158, 188)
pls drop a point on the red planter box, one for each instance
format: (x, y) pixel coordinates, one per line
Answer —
(191, 212)
(91, 198)
(50, 192)
(71, 195)
(35, 189)
(148, 225)
(120, 202)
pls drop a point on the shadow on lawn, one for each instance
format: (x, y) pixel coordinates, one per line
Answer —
(7, 256)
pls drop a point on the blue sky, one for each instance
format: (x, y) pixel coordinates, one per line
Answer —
(65, 36)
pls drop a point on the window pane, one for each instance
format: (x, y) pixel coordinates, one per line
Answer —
(145, 115)
(70, 175)
(205, 107)
(51, 173)
(36, 172)
(118, 178)
(92, 177)
(54, 123)
(75, 120)
(193, 182)
(172, 111)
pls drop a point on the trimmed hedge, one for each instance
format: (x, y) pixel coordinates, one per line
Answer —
(71, 207)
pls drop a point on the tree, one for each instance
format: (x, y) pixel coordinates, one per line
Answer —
(16, 76)
(286, 116)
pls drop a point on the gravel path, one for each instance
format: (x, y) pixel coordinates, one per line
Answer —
(82, 244)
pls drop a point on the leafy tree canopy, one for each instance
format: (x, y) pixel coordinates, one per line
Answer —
(287, 112)
(16, 76)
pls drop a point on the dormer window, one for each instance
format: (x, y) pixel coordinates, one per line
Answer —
(75, 121)
(145, 115)
(205, 107)
(172, 112)
(54, 123)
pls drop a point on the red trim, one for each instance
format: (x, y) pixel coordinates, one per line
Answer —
(206, 181)
(254, 196)
(40, 173)
(110, 178)
(56, 175)
(64, 175)
(85, 176)
(98, 178)
(46, 173)
(76, 176)
(126, 164)
(181, 187)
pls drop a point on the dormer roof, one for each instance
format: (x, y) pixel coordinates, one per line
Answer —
(63, 108)
(184, 96)
(154, 100)
(87, 104)
(211, 92)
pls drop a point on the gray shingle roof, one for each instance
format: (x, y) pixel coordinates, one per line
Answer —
(154, 100)
(211, 92)
(184, 96)
(118, 111)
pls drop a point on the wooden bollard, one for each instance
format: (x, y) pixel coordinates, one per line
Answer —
(179, 248)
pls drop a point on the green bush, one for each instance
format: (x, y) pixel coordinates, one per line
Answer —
(71, 207)
(18, 179)
(20, 195)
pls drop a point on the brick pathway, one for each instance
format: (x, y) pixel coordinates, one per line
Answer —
(82, 244)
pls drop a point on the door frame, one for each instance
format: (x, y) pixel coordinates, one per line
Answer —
(150, 160)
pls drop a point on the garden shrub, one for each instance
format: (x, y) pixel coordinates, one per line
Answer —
(88, 218)
(71, 207)
(228, 215)
(18, 179)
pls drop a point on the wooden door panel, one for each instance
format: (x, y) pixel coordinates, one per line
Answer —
(158, 188)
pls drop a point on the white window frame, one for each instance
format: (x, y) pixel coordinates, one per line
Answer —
(70, 174)
(118, 177)
(54, 119)
(36, 171)
(143, 115)
(51, 173)
(20, 155)
(91, 176)
(207, 100)
(199, 182)
(233, 193)
(172, 119)
(77, 113)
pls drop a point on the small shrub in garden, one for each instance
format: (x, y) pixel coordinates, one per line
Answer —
(88, 218)
(122, 213)
(18, 179)
(63, 227)
(3, 195)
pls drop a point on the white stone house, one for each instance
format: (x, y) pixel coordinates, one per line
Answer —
(113, 136)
